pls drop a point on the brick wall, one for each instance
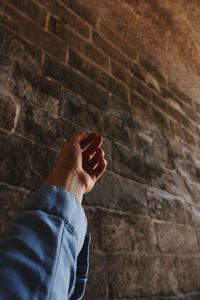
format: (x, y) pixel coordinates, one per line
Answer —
(62, 70)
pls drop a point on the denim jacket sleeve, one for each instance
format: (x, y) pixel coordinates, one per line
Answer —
(44, 252)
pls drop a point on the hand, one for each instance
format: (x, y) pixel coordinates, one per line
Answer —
(80, 164)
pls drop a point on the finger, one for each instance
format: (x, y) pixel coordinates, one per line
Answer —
(98, 171)
(91, 149)
(78, 137)
(87, 140)
(99, 154)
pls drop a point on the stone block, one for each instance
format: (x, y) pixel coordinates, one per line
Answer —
(176, 239)
(100, 77)
(141, 276)
(41, 38)
(14, 47)
(77, 83)
(134, 166)
(187, 271)
(164, 206)
(138, 86)
(6, 66)
(30, 9)
(117, 41)
(74, 40)
(116, 192)
(42, 127)
(120, 72)
(66, 16)
(11, 201)
(145, 76)
(97, 283)
(82, 11)
(29, 86)
(109, 49)
(23, 163)
(126, 233)
(8, 111)
(153, 70)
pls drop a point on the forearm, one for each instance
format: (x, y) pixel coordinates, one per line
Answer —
(39, 250)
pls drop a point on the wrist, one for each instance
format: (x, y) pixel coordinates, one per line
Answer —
(68, 180)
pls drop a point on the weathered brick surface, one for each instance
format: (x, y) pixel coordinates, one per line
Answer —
(100, 77)
(59, 29)
(11, 200)
(28, 172)
(77, 83)
(176, 239)
(68, 17)
(32, 32)
(8, 111)
(61, 70)
(30, 9)
(14, 47)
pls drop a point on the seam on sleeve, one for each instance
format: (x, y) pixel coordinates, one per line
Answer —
(56, 263)
(54, 213)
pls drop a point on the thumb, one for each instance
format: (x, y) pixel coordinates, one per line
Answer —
(78, 137)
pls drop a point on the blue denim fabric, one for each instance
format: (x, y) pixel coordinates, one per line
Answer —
(44, 252)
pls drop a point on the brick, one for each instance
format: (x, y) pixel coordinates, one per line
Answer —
(99, 76)
(30, 9)
(11, 201)
(153, 70)
(121, 73)
(127, 195)
(138, 86)
(164, 206)
(197, 107)
(67, 16)
(40, 126)
(8, 111)
(187, 270)
(59, 29)
(179, 93)
(176, 239)
(189, 125)
(120, 232)
(12, 46)
(193, 214)
(140, 72)
(176, 129)
(93, 218)
(133, 166)
(87, 115)
(188, 137)
(31, 87)
(77, 83)
(23, 163)
(32, 32)
(159, 118)
(109, 49)
(141, 108)
(97, 285)
(82, 11)
(159, 102)
(117, 40)
(138, 276)
(6, 66)
(118, 131)
(176, 114)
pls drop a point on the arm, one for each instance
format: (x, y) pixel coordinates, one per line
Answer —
(44, 251)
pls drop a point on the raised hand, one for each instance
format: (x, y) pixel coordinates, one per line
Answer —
(80, 164)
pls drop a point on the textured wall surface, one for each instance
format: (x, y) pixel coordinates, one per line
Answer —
(63, 67)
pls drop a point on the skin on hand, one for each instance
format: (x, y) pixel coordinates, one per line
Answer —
(80, 164)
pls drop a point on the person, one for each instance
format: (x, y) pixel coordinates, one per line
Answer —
(44, 251)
